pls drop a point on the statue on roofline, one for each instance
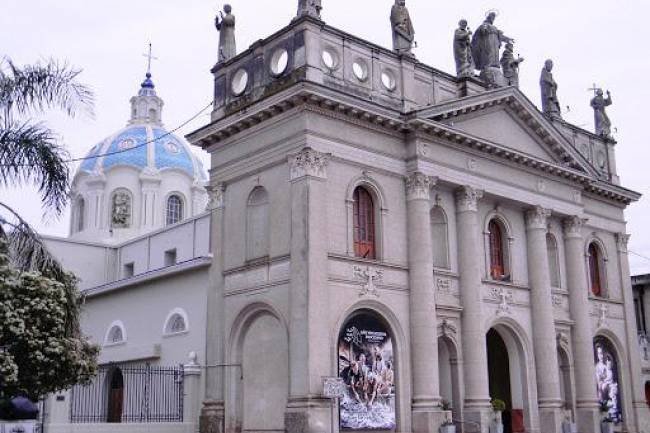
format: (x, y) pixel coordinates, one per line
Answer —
(463, 50)
(601, 119)
(309, 7)
(510, 65)
(486, 45)
(550, 102)
(226, 26)
(402, 27)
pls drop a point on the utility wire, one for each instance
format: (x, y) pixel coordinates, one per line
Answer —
(639, 255)
(168, 133)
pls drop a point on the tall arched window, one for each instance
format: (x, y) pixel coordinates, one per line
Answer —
(81, 213)
(553, 260)
(364, 224)
(497, 252)
(257, 224)
(115, 397)
(595, 270)
(174, 209)
(439, 238)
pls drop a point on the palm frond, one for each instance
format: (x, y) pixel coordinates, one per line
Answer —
(39, 87)
(29, 153)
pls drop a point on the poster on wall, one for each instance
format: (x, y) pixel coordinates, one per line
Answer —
(367, 369)
(607, 379)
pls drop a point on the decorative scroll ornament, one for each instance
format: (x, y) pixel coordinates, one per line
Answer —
(601, 311)
(505, 298)
(558, 301)
(467, 198)
(447, 328)
(537, 218)
(418, 186)
(309, 162)
(369, 276)
(217, 195)
(573, 226)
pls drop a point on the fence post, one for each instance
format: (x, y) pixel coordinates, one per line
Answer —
(192, 387)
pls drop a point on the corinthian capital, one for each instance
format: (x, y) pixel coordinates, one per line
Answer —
(309, 162)
(217, 196)
(418, 186)
(622, 239)
(467, 198)
(573, 226)
(537, 218)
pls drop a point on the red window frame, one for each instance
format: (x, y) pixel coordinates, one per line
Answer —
(497, 263)
(364, 224)
(594, 271)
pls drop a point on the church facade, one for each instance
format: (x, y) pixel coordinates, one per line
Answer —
(386, 247)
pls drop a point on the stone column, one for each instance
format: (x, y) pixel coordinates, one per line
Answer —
(309, 345)
(545, 346)
(587, 415)
(212, 412)
(475, 367)
(191, 389)
(640, 412)
(427, 415)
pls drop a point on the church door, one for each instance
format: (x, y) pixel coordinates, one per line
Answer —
(115, 397)
(499, 375)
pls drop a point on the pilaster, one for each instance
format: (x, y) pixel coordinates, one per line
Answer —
(545, 346)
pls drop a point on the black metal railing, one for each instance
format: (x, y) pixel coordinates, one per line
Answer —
(143, 394)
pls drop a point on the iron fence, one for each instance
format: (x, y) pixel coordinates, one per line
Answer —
(143, 394)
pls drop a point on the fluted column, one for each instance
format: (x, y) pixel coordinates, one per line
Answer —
(546, 365)
(212, 412)
(309, 347)
(477, 392)
(423, 323)
(640, 414)
(587, 416)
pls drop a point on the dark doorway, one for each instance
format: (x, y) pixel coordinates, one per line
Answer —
(115, 397)
(499, 375)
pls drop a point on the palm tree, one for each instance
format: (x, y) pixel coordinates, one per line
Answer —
(31, 154)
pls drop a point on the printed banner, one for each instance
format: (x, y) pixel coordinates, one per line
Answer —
(607, 378)
(367, 369)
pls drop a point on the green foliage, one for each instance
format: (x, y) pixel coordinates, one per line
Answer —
(41, 354)
(498, 405)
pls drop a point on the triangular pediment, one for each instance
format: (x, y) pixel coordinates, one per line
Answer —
(507, 118)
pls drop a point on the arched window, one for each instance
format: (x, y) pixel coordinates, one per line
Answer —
(81, 213)
(553, 260)
(439, 238)
(115, 397)
(596, 269)
(257, 224)
(497, 251)
(174, 209)
(364, 224)
(176, 322)
(116, 334)
(121, 209)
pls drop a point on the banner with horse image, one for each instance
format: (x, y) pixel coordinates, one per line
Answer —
(366, 365)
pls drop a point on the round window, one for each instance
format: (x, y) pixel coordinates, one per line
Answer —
(330, 59)
(279, 61)
(239, 82)
(388, 80)
(360, 70)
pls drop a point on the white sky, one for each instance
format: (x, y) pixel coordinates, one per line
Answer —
(591, 41)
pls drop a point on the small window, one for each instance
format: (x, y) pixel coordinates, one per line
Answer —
(129, 270)
(439, 238)
(497, 251)
(596, 268)
(176, 324)
(364, 224)
(115, 334)
(170, 257)
(174, 209)
(81, 213)
(553, 260)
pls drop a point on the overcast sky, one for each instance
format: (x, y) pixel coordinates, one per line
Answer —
(591, 41)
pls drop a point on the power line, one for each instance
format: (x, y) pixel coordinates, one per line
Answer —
(166, 134)
(639, 255)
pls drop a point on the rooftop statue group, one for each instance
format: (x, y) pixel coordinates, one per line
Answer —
(472, 51)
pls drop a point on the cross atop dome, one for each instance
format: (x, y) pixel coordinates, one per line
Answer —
(146, 107)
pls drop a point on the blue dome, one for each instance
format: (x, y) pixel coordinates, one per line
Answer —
(143, 146)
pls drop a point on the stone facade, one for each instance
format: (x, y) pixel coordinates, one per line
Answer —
(289, 155)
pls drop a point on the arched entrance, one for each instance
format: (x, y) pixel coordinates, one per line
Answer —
(449, 375)
(608, 384)
(366, 363)
(264, 376)
(566, 385)
(115, 396)
(507, 376)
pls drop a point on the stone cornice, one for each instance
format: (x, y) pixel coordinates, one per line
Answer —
(313, 96)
